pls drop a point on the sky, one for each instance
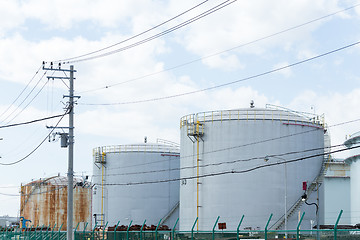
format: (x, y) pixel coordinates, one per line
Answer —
(235, 43)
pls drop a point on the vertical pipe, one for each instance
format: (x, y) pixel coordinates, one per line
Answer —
(335, 226)
(298, 227)
(70, 173)
(213, 230)
(197, 172)
(238, 227)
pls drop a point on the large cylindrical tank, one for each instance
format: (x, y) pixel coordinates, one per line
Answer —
(136, 183)
(353, 144)
(232, 164)
(44, 202)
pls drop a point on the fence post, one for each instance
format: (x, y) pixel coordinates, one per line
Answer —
(85, 230)
(115, 229)
(213, 230)
(267, 224)
(127, 230)
(298, 227)
(75, 230)
(92, 233)
(156, 230)
(104, 230)
(52, 231)
(141, 229)
(173, 230)
(192, 229)
(335, 226)
(59, 231)
(238, 227)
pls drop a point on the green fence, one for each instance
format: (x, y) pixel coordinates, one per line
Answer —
(144, 233)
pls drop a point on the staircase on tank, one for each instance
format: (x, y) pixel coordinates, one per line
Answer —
(317, 181)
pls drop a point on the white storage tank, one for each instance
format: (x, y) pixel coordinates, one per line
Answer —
(131, 183)
(232, 165)
(353, 144)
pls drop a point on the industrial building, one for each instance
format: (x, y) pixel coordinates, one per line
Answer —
(131, 184)
(250, 162)
(44, 202)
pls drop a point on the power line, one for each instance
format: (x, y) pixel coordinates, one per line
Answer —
(187, 22)
(228, 83)
(38, 146)
(216, 164)
(224, 51)
(32, 121)
(27, 96)
(225, 172)
(7, 109)
(245, 145)
(136, 35)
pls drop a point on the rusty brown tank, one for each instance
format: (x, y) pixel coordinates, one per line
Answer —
(44, 202)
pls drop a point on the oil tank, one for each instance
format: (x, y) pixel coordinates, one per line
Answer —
(44, 202)
(353, 143)
(249, 162)
(134, 183)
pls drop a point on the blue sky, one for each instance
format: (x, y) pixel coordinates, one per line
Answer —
(33, 31)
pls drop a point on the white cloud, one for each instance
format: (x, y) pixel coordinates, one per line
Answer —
(337, 107)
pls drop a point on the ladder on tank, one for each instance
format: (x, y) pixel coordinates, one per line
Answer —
(317, 182)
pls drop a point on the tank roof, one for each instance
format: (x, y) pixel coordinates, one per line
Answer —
(55, 180)
(354, 139)
(254, 114)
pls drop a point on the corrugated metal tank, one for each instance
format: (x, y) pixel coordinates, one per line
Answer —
(223, 170)
(353, 160)
(44, 202)
(132, 184)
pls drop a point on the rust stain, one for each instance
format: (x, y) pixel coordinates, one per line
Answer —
(46, 204)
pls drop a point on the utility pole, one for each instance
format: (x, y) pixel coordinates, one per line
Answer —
(68, 141)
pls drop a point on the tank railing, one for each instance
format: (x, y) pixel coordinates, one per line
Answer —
(250, 114)
(136, 148)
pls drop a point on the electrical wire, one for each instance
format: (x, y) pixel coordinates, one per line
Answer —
(27, 96)
(38, 146)
(135, 36)
(226, 172)
(187, 22)
(224, 51)
(27, 85)
(245, 145)
(228, 83)
(32, 121)
(216, 164)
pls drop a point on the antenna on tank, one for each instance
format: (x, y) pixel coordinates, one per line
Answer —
(252, 104)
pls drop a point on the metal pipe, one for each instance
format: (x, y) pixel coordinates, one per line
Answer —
(197, 173)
